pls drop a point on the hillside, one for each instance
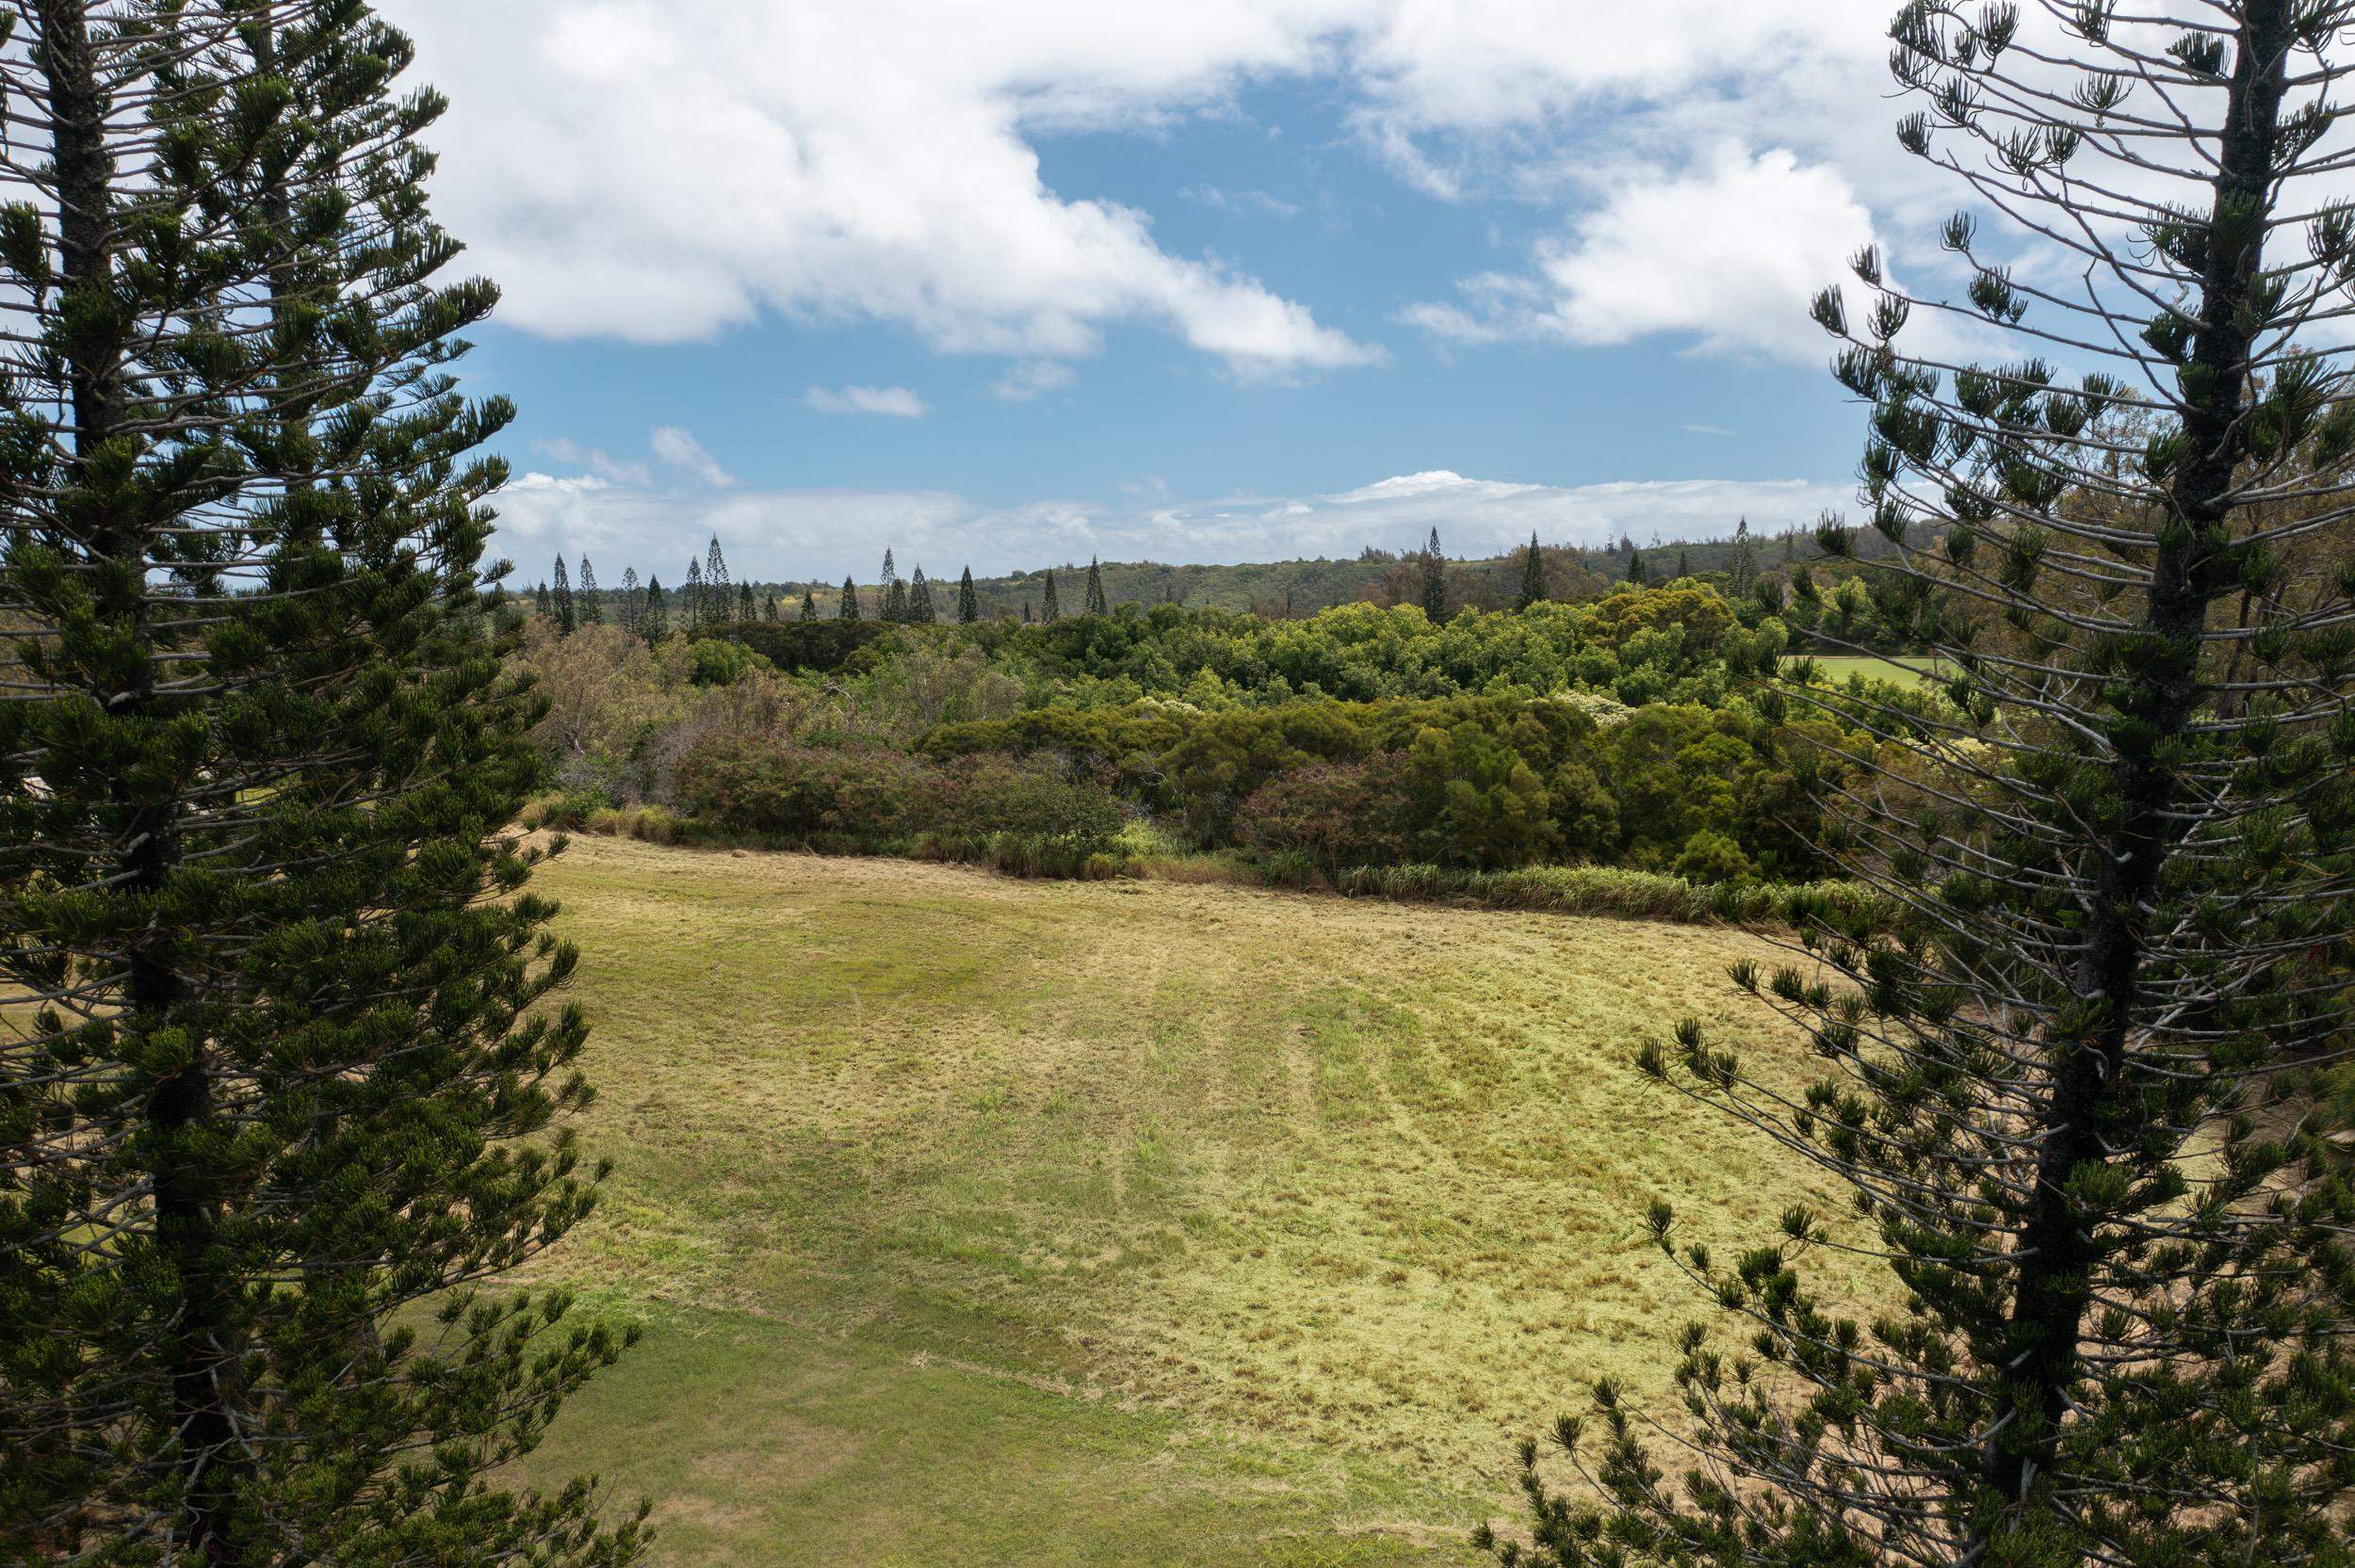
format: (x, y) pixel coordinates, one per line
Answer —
(993, 1221)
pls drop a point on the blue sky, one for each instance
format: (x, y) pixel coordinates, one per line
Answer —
(1287, 276)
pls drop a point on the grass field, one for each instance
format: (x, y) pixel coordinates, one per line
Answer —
(1906, 673)
(992, 1221)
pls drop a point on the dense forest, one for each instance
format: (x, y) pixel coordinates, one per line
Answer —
(1627, 731)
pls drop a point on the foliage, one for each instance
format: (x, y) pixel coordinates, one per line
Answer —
(283, 1062)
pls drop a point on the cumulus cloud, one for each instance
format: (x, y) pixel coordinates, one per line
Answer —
(822, 534)
(896, 401)
(679, 448)
(665, 169)
(1724, 254)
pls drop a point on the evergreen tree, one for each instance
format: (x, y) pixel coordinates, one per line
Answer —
(768, 610)
(541, 603)
(847, 608)
(1095, 605)
(1744, 563)
(590, 610)
(968, 603)
(809, 603)
(279, 1070)
(895, 604)
(561, 596)
(721, 605)
(890, 570)
(694, 599)
(1636, 571)
(1433, 580)
(921, 601)
(1684, 566)
(655, 623)
(1533, 576)
(1026, 610)
(1049, 609)
(743, 602)
(632, 607)
(2069, 1046)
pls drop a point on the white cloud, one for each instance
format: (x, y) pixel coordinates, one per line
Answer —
(1241, 203)
(597, 459)
(1725, 255)
(821, 534)
(1033, 379)
(661, 171)
(896, 401)
(679, 448)
(665, 169)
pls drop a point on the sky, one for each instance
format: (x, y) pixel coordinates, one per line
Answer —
(1015, 283)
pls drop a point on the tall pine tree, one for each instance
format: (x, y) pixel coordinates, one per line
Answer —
(2067, 1048)
(847, 609)
(655, 623)
(968, 603)
(694, 599)
(632, 604)
(809, 603)
(920, 609)
(1433, 580)
(561, 599)
(1532, 577)
(282, 1073)
(589, 607)
(1095, 605)
(1049, 608)
(720, 605)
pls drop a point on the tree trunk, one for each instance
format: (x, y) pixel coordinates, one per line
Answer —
(2059, 1245)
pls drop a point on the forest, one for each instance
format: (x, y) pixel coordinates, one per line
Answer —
(1294, 751)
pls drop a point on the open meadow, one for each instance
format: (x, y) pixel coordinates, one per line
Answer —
(987, 1221)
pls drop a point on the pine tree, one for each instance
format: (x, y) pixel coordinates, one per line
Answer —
(1095, 605)
(633, 601)
(895, 604)
(768, 610)
(721, 605)
(890, 570)
(1636, 571)
(743, 602)
(968, 603)
(591, 609)
(848, 607)
(560, 597)
(281, 1070)
(1433, 580)
(655, 623)
(809, 603)
(1533, 576)
(542, 604)
(921, 600)
(1026, 610)
(694, 599)
(2068, 1046)
(1684, 566)
(1049, 609)
(1745, 563)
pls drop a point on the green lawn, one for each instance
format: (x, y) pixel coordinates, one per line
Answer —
(992, 1221)
(1905, 672)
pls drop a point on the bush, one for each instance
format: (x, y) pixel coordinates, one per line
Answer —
(1332, 813)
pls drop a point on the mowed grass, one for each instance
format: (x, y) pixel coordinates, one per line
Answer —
(1909, 672)
(993, 1221)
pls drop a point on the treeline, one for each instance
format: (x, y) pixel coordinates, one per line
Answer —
(1623, 733)
(1825, 597)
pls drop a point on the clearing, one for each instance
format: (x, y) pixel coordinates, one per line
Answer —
(983, 1220)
